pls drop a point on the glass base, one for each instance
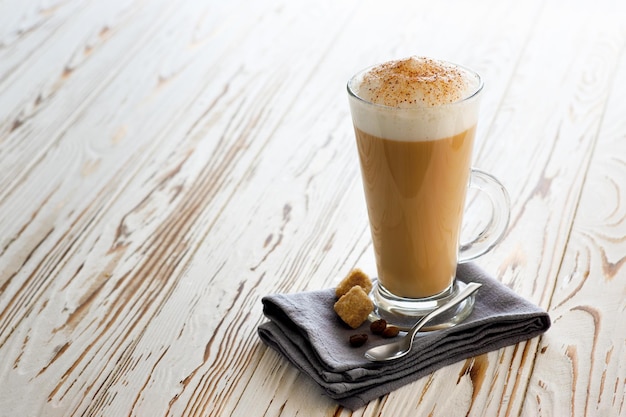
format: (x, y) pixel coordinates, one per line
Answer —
(405, 312)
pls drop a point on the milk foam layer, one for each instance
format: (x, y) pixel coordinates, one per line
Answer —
(415, 99)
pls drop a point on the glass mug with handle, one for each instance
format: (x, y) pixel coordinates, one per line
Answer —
(415, 121)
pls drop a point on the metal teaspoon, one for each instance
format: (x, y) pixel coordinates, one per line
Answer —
(401, 347)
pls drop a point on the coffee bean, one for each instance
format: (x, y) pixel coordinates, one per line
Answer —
(378, 326)
(357, 340)
(391, 331)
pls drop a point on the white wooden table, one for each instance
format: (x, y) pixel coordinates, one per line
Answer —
(164, 165)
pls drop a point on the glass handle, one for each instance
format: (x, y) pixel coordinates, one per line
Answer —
(495, 228)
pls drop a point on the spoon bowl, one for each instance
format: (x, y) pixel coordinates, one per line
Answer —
(402, 346)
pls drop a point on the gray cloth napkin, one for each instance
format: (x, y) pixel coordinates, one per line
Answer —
(304, 328)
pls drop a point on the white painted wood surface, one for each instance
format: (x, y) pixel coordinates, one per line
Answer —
(164, 165)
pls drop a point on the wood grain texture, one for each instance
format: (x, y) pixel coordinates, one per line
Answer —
(586, 348)
(164, 165)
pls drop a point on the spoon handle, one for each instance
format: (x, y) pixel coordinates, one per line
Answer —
(462, 295)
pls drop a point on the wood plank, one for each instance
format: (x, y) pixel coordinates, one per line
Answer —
(57, 83)
(552, 153)
(236, 136)
(25, 28)
(581, 368)
(56, 253)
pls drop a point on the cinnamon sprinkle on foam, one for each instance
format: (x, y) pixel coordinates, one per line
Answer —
(414, 81)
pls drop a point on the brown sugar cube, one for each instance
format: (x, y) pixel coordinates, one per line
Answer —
(354, 307)
(355, 277)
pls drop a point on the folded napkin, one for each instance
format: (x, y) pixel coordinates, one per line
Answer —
(304, 328)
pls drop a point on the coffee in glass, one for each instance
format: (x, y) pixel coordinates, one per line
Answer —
(415, 121)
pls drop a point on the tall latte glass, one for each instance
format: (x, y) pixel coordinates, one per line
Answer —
(415, 121)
